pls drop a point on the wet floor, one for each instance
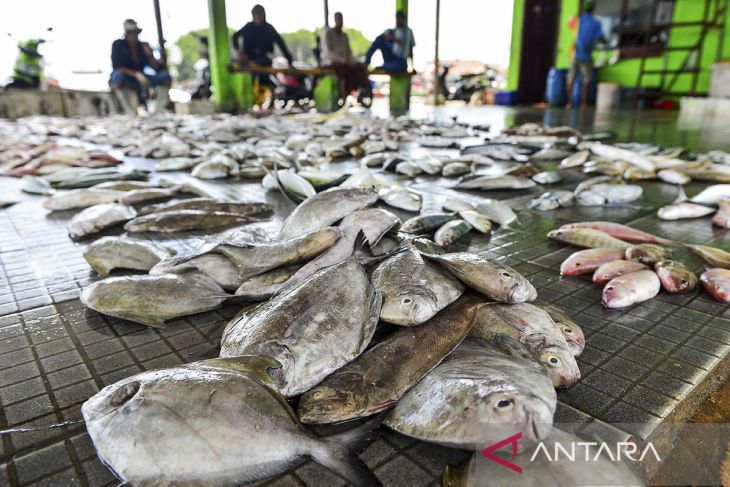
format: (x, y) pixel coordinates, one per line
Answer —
(640, 365)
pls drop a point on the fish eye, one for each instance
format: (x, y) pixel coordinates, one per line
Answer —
(609, 287)
(684, 282)
(317, 394)
(568, 330)
(577, 264)
(506, 274)
(504, 405)
(551, 360)
(406, 300)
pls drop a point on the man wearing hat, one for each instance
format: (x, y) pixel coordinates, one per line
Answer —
(135, 69)
(589, 33)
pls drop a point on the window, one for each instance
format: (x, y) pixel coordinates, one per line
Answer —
(637, 28)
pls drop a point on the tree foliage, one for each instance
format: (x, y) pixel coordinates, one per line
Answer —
(300, 43)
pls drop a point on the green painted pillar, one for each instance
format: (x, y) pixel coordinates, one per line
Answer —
(400, 94)
(326, 93)
(515, 50)
(226, 96)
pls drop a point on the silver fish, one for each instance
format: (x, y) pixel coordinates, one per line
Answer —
(451, 232)
(81, 198)
(498, 212)
(413, 289)
(711, 195)
(266, 285)
(551, 200)
(575, 160)
(454, 169)
(98, 217)
(402, 198)
(496, 182)
(426, 223)
(456, 205)
(492, 279)
(684, 210)
(547, 177)
(326, 208)
(147, 428)
(108, 253)
(312, 330)
(480, 223)
(408, 168)
(533, 327)
(477, 396)
(150, 300)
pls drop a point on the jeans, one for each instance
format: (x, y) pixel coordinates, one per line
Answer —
(391, 62)
(157, 79)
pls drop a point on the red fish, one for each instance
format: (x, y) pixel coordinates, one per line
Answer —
(623, 232)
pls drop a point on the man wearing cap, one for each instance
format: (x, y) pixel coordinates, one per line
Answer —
(589, 33)
(135, 69)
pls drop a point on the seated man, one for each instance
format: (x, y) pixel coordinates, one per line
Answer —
(258, 38)
(336, 53)
(396, 46)
(135, 69)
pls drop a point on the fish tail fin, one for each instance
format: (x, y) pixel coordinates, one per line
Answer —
(681, 196)
(339, 453)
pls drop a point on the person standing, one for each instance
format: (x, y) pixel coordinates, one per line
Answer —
(135, 69)
(396, 46)
(337, 54)
(589, 33)
(258, 38)
(28, 69)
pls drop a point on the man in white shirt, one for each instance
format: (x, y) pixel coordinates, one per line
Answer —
(336, 54)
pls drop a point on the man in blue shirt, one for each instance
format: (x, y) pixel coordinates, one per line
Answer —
(135, 69)
(396, 45)
(589, 33)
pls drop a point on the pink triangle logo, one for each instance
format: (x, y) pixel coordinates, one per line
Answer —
(512, 440)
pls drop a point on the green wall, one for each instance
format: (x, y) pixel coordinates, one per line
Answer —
(513, 72)
(626, 72)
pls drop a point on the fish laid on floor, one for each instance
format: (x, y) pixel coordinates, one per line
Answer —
(648, 254)
(488, 183)
(253, 258)
(534, 328)
(722, 217)
(477, 396)
(413, 289)
(264, 286)
(215, 422)
(607, 194)
(711, 195)
(184, 220)
(145, 195)
(81, 198)
(369, 223)
(312, 330)
(551, 200)
(587, 261)
(632, 288)
(325, 208)
(492, 279)
(480, 223)
(681, 211)
(622, 232)
(402, 198)
(108, 253)
(456, 205)
(675, 276)
(450, 232)
(374, 381)
(426, 223)
(587, 237)
(572, 332)
(497, 211)
(616, 268)
(98, 217)
(717, 283)
(151, 300)
(211, 205)
(713, 256)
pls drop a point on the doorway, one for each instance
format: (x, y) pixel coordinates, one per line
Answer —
(539, 40)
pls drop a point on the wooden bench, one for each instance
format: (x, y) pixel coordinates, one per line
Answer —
(326, 89)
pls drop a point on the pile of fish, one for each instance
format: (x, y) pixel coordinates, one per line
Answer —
(448, 348)
(633, 265)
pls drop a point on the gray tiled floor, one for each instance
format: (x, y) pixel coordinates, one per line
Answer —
(639, 363)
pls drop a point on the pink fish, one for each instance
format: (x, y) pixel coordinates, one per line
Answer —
(623, 232)
(717, 283)
(616, 268)
(722, 217)
(631, 288)
(587, 261)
